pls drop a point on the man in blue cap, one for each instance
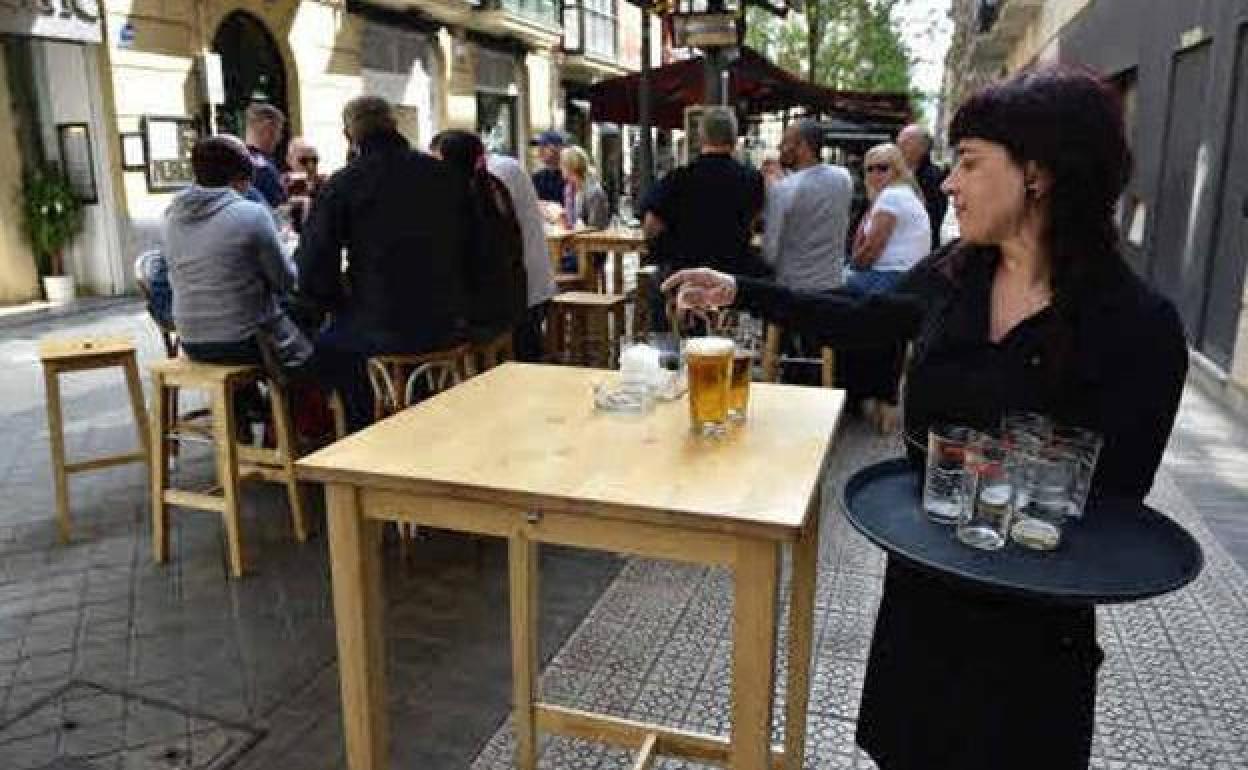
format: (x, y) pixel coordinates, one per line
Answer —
(549, 179)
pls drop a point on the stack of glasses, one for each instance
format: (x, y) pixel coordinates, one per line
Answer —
(1022, 484)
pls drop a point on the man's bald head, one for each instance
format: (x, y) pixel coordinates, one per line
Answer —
(915, 143)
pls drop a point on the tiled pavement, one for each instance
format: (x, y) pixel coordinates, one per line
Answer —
(215, 666)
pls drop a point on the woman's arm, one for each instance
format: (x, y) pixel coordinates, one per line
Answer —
(837, 318)
(872, 238)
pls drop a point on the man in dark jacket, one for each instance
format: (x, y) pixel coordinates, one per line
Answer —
(916, 147)
(264, 125)
(399, 215)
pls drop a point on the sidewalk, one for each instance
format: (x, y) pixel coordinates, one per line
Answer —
(107, 657)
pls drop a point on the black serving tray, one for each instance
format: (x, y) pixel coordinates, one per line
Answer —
(1120, 551)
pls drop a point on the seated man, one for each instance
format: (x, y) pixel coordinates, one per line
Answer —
(401, 217)
(226, 265)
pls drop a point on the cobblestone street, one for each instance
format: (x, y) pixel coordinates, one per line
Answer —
(110, 662)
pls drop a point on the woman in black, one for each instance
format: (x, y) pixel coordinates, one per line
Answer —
(494, 274)
(1033, 310)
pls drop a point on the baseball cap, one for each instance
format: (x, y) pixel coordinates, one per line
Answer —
(548, 137)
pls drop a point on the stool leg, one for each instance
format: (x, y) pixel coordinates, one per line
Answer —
(287, 448)
(227, 471)
(135, 386)
(56, 441)
(554, 334)
(172, 411)
(158, 467)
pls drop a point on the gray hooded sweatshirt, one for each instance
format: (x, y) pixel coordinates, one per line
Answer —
(226, 265)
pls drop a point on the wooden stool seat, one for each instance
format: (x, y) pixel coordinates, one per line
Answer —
(234, 462)
(62, 355)
(584, 328)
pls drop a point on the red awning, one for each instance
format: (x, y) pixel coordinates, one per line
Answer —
(755, 83)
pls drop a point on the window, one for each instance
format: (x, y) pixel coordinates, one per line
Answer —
(496, 122)
(600, 27)
(572, 26)
(590, 27)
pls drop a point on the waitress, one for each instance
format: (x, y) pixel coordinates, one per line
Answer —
(1034, 309)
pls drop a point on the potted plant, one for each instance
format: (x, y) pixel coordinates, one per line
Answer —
(53, 219)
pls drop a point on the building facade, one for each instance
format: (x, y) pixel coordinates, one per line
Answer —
(118, 97)
(1182, 71)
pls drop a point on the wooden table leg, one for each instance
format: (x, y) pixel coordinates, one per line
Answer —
(754, 653)
(801, 633)
(522, 558)
(617, 266)
(161, 422)
(56, 441)
(138, 405)
(354, 545)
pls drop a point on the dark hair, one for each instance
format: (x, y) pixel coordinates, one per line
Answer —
(367, 116)
(495, 274)
(811, 134)
(218, 161)
(1068, 122)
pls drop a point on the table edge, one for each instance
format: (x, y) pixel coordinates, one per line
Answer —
(528, 501)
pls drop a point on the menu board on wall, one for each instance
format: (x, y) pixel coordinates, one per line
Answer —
(167, 143)
(76, 20)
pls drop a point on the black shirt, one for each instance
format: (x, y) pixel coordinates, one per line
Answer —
(708, 208)
(403, 219)
(930, 177)
(549, 184)
(945, 654)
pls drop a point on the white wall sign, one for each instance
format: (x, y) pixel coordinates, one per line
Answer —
(76, 20)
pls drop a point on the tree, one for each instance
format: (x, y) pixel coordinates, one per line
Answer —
(844, 44)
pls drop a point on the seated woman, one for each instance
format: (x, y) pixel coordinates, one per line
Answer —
(585, 203)
(1034, 309)
(892, 237)
(494, 274)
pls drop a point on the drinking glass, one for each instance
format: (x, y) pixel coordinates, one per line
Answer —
(947, 481)
(708, 361)
(744, 355)
(1026, 429)
(985, 523)
(1043, 483)
(1085, 446)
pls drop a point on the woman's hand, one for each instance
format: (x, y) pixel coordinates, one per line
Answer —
(702, 288)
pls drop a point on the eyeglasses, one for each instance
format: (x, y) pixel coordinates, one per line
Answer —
(879, 168)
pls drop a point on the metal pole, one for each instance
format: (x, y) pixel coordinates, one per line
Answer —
(643, 107)
(723, 88)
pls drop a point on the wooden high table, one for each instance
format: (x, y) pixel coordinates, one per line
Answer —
(616, 241)
(520, 453)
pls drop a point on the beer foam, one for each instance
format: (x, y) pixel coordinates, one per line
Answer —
(709, 346)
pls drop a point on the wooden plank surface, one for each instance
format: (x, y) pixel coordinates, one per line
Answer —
(55, 348)
(528, 435)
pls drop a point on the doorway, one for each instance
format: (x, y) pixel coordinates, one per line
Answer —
(1179, 268)
(1230, 252)
(253, 72)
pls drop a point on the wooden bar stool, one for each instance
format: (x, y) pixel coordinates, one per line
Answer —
(59, 356)
(235, 463)
(584, 328)
(772, 359)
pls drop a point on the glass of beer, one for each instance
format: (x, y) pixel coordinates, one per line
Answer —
(708, 361)
(739, 389)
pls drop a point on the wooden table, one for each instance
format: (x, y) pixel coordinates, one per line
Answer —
(518, 453)
(614, 241)
(558, 241)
